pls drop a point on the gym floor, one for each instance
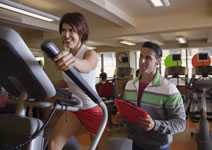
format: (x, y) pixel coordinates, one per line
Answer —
(184, 141)
(181, 141)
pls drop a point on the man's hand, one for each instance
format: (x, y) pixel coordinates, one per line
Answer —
(146, 123)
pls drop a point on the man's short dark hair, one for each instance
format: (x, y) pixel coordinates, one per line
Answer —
(78, 22)
(155, 47)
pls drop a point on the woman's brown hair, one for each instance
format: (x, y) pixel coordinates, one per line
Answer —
(78, 22)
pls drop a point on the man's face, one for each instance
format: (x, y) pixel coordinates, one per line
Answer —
(148, 61)
(70, 38)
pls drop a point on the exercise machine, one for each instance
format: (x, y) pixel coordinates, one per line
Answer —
(201, 72)
(22, 76)
(203, 135)
(200, 95)
(176, 72)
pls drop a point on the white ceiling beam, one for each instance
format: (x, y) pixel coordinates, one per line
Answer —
(164, 24)
(107, 10)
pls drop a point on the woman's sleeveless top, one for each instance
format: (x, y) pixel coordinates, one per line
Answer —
(90, 77)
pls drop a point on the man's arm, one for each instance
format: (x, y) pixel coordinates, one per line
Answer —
(176, 117)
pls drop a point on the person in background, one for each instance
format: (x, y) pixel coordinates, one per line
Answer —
(73, 29)
(159, 98)
(104, 87)
(103, 77)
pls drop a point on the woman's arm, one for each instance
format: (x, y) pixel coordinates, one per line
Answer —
(88, 63)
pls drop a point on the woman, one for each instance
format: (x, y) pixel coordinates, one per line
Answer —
(74, 32)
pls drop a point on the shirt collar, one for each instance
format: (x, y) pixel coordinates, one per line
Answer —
(155, 82)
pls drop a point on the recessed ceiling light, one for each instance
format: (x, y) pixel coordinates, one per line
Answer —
(127, 43)
(90, 47)
(181, 40)
(160, 3)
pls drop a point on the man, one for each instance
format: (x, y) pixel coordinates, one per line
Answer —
(160, 99)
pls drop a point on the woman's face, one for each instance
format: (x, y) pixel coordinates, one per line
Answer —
(148, 61)
(70, 38)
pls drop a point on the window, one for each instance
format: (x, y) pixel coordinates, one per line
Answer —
(137, 58)
(109, 64)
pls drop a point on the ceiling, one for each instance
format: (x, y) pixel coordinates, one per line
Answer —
(135, 20)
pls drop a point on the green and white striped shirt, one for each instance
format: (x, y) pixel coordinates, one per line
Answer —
(162, 100)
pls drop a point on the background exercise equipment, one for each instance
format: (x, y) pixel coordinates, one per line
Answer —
(178, 74)
(201, 72)
(200, 95)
